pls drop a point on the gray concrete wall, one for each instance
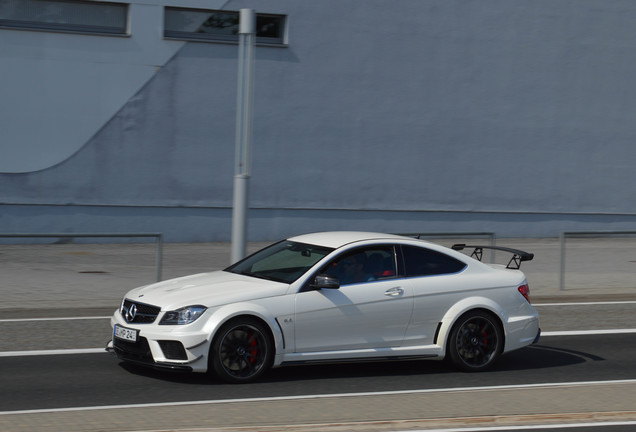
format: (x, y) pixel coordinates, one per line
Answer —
(507, 116)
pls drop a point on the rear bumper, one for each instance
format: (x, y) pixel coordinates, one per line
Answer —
(521, 332)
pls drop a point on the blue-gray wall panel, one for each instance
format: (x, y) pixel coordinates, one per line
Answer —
(468, 106)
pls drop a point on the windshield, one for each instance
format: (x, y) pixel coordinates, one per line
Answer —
(284, 261)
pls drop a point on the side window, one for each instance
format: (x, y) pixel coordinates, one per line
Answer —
(363, 265)
(420, 261)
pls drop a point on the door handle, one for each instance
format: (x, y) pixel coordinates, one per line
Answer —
(394, 292)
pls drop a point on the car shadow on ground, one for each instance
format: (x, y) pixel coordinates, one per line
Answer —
(532, 358)
(536, 357)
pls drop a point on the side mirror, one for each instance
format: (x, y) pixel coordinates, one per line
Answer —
(324, 281)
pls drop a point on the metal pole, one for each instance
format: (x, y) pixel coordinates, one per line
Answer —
(562, 269)
(247, 34)
(159, 257)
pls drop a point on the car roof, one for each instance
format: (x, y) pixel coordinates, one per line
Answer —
(336, 239)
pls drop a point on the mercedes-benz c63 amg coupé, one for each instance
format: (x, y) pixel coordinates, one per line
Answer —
(329, 297)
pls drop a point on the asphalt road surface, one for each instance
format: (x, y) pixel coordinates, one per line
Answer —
(567, 378)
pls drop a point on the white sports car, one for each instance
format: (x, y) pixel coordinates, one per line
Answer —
(331, 296)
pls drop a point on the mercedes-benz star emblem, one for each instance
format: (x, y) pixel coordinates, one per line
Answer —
(131, 312)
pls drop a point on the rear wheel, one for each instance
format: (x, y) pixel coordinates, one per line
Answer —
(242, 351)
(475, 341)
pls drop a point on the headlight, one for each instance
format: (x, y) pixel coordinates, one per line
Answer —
(185, 315)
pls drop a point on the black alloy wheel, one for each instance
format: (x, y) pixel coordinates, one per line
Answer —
(475, 341)
(242, 351)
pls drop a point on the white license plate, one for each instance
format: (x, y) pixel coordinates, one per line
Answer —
(126, 333)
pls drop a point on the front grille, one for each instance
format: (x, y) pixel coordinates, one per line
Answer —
(173, 350)
(139, 353)
(139, 313)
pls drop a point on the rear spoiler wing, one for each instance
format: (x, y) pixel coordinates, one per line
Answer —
(518, 256)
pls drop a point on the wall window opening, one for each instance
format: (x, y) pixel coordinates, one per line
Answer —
(220, 26)
(65, 16)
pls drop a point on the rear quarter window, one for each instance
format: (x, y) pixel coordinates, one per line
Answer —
(419, 261)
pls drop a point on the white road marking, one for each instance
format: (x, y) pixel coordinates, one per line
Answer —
(587, 303)
(587, 332)
(324, 396)
(530, 427)
(53, 319)
(103, 350)
(533, 304)
(108, 317)
(52, 352)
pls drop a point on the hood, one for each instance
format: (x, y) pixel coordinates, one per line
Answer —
(207, 289)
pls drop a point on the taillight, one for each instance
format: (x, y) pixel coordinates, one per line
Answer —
(525, 291)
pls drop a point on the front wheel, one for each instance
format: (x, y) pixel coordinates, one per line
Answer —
(242, 351)
(475, 341)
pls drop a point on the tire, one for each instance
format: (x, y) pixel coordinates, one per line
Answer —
(241, 351)
(475, 342)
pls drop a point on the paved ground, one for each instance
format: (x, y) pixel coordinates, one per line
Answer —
(63, 276)
(63, 279)
(579, 403)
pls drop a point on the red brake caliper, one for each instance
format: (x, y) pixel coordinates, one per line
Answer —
(253, 349)
(485, 336)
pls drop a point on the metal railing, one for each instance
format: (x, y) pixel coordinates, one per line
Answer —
(579, 234)
(157, 236)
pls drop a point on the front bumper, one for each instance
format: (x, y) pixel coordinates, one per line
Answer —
(183, 348)
(141, 355)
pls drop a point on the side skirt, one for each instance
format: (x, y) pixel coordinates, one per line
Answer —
(363, 355)
(359, 360)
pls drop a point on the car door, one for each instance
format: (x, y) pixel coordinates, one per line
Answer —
(371, 309)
